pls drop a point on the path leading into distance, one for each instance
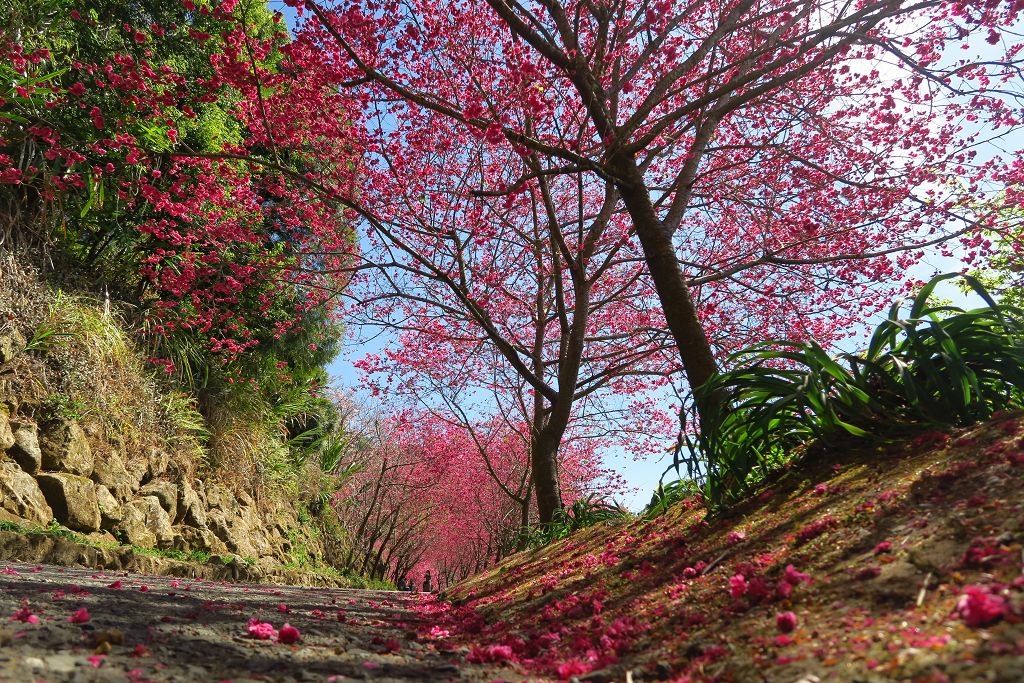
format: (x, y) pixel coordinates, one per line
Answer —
(61, 624)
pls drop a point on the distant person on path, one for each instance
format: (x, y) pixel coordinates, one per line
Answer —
(426, 581)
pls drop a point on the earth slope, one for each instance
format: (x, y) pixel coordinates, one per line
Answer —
(899, 562)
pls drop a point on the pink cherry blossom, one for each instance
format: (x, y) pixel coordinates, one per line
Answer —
(288, 635)
(80, 617)
(261, 630)
(786, 622)
(981, 606)
(738, 586)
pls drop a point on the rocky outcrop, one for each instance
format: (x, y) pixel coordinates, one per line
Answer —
(25, 449)
(20, 496)
(111, 513)
(156, 519)
(72, 499)
(166, 493)
(51, 473)
(191, 538)
(65, 448)
(191, 510)
(109, 470)
(132, 529)
(157, 463)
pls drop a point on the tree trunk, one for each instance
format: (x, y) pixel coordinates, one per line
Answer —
(680, 311)
(543, 461)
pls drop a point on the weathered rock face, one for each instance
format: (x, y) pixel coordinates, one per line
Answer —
(110, 510)
(166, 493)
(191, 538)
(6, 435)
(156, 520)
(157, 463)
(110, 471)
(21, 497)
(72, 499)
(149, 503)
(132, 528)
(230, 530)
(219, 498)
(65, 448)
(12, 344)
(25, 449)
(191, 508)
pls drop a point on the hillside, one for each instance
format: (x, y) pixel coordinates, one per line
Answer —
(901, 562)
(106, 463)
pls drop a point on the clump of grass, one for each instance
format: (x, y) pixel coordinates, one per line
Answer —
(197, 556)
(53, 530)
(87, 367)
(668, 495)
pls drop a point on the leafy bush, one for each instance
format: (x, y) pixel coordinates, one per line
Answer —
(939, 365)
(583, 513)
(668, 495)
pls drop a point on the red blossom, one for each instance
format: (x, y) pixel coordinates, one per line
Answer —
(288, 634)
(25, 615)
(794, 577)
(980, 606)
(572, 668)
(80, 617)
(786, 622)
(260, 630)
(737, 586)
(491, 654)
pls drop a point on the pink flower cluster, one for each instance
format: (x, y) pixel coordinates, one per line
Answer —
(982, 605)
(262, 630)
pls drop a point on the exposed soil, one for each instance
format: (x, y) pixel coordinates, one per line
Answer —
(139, 628)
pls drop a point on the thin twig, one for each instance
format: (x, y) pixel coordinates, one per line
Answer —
(924, 589)
(713, 563)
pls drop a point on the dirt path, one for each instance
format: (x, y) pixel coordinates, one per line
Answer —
(60, 624)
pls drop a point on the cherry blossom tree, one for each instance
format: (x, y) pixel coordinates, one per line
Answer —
(153, 153)
(532, 306)
(774, 158)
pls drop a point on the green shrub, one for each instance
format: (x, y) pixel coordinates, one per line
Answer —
(939, 365)
(668, 495)
(583, 513)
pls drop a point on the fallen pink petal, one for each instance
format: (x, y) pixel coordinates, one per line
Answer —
(786, 622)
(261, 630)
(288, 635)
(80, 617)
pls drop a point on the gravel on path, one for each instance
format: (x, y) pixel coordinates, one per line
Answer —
(65, 624)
